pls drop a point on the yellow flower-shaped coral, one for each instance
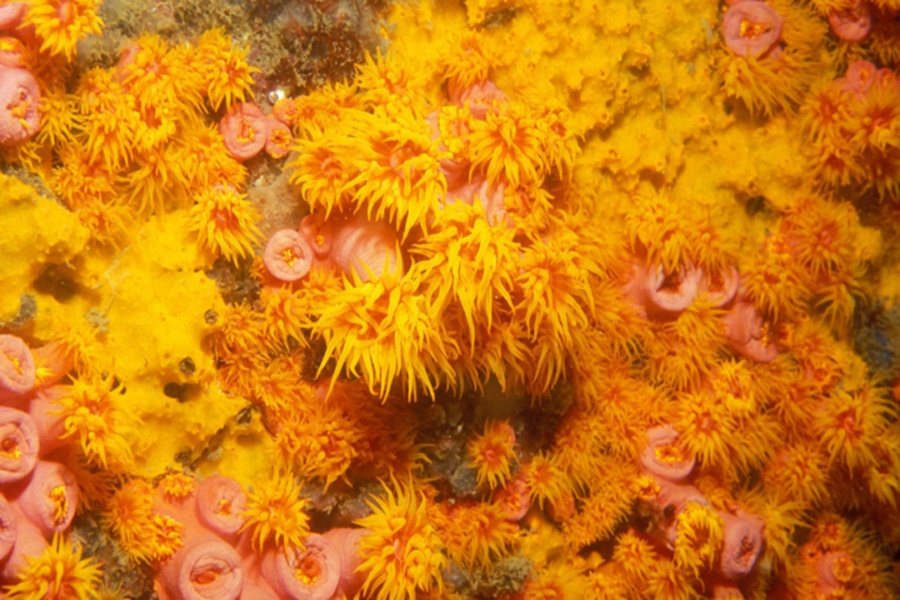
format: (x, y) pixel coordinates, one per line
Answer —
(59, 24)
(225, 222)
(386, 331)
(401, 553)
(225, 70)
(275, 514)
(92, 415)
(59, 573)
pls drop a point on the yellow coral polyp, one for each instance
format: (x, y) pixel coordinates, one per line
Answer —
(397, 169)
(384, 331)
(401, 552)
(225, 222)
(321, 443)
(58, 574)
(92, 415)
(158, 77)
(492, 452)
(225, 70)
(60, 24)
(276, 515)
(478, 534)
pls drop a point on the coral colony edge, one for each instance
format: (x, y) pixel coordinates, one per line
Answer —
(464, 299)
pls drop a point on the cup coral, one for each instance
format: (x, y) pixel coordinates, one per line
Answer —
(346, 541)
(58, 572)
(225, 222)
(310, 573)
(366, 250)
(751, 28)
(19, 443)
(11, 14)
(20, 116)
(491, 453)
(17, 368)
(245, 130)
(659, 294)
(288, 255)
(853, 24)
(221, 504)
(401, 552)
(663, 455)
(203, 568)
(49, 498)
(59, 24)
(742, 546)
(8, 529)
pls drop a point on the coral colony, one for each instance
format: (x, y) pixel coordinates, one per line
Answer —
(544, 299)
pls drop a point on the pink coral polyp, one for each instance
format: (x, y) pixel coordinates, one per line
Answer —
(852, 25)
(19, 100)
(288, 256)
(751, 28)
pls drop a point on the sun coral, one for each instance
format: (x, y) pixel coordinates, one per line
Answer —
(205, 567)
(91, 415)
(20, 117)
(385, 331)
(396, 170)
(17, 368)
(401, 552)
(321, 442)
(751, 28)
(245, 130)
(478, 534)
(664, 456)
(145, 535)
(225, 222)
(19, 443)
(700, 537)
(853, 24)
(59, 24)
(365, 250)
(778, 78)
(313, 573)
(58, 574)
(475, 259)
(491, 453)
(224, 69)
(288, 255)
(275, 514)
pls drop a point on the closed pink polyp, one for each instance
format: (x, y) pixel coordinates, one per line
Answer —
(220, 504)
(312, 574)
(751, 28)
(19, 445)
(20, 117)
(50, 498)
(852, 25)
(7, 528)
(367, 248)
(209, 569)
(245, 130)
(675, 292)
(742, 545)
(664, 457)
(16, 367)
(288, 255)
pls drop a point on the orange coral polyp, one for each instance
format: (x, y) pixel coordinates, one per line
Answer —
(491, 453)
